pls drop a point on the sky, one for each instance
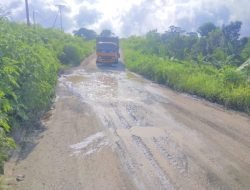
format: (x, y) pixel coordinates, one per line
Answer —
(132, 17)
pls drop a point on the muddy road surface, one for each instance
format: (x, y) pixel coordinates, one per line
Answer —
(112, 129)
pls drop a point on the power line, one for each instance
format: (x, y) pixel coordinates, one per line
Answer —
(41, 19)
(55, 21)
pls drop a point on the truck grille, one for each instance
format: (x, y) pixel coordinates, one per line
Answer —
(106, 59)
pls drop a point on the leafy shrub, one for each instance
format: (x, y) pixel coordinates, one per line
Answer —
(29, 64)
(5, 144)
(70, 55)
(233, 77)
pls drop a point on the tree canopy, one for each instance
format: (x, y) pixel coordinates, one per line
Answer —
(85, 33)
(106, 33)
(206, 28)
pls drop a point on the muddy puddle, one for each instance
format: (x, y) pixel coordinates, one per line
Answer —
(76, 78)
(90, 145)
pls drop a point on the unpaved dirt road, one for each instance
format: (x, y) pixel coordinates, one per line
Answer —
(111, 129)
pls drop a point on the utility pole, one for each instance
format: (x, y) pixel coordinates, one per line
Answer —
(60, 7)
(27, 12)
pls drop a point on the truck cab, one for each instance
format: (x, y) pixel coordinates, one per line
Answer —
(107, 50)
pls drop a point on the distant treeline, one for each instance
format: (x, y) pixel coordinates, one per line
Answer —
(209, 45)
(204, 63)
(29, 62)
(88, 34)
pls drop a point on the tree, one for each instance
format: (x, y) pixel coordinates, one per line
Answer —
(106, 33)
(215, 40)
(232, 31)
(85, 33)
(173, 31)
(153, 43)
(206, 28)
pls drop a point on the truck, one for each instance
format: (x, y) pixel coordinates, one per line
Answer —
(107, 50)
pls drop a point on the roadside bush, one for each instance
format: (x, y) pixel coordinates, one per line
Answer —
(6, 143)
(29, 64)
(70, 55)
(225, 86)
(233, 77)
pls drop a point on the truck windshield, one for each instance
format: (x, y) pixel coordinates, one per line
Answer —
(106, 47)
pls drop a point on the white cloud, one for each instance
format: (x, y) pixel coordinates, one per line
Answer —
(127, 17)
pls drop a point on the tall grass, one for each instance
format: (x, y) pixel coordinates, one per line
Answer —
(225, 86)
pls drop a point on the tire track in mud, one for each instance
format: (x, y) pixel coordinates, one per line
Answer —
(124, 122)
(127, 118)
(130, 164)
(159, 172)
(175, 157)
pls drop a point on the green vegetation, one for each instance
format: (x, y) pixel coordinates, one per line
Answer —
(29, 62)
(88, 34)
(205, 66)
